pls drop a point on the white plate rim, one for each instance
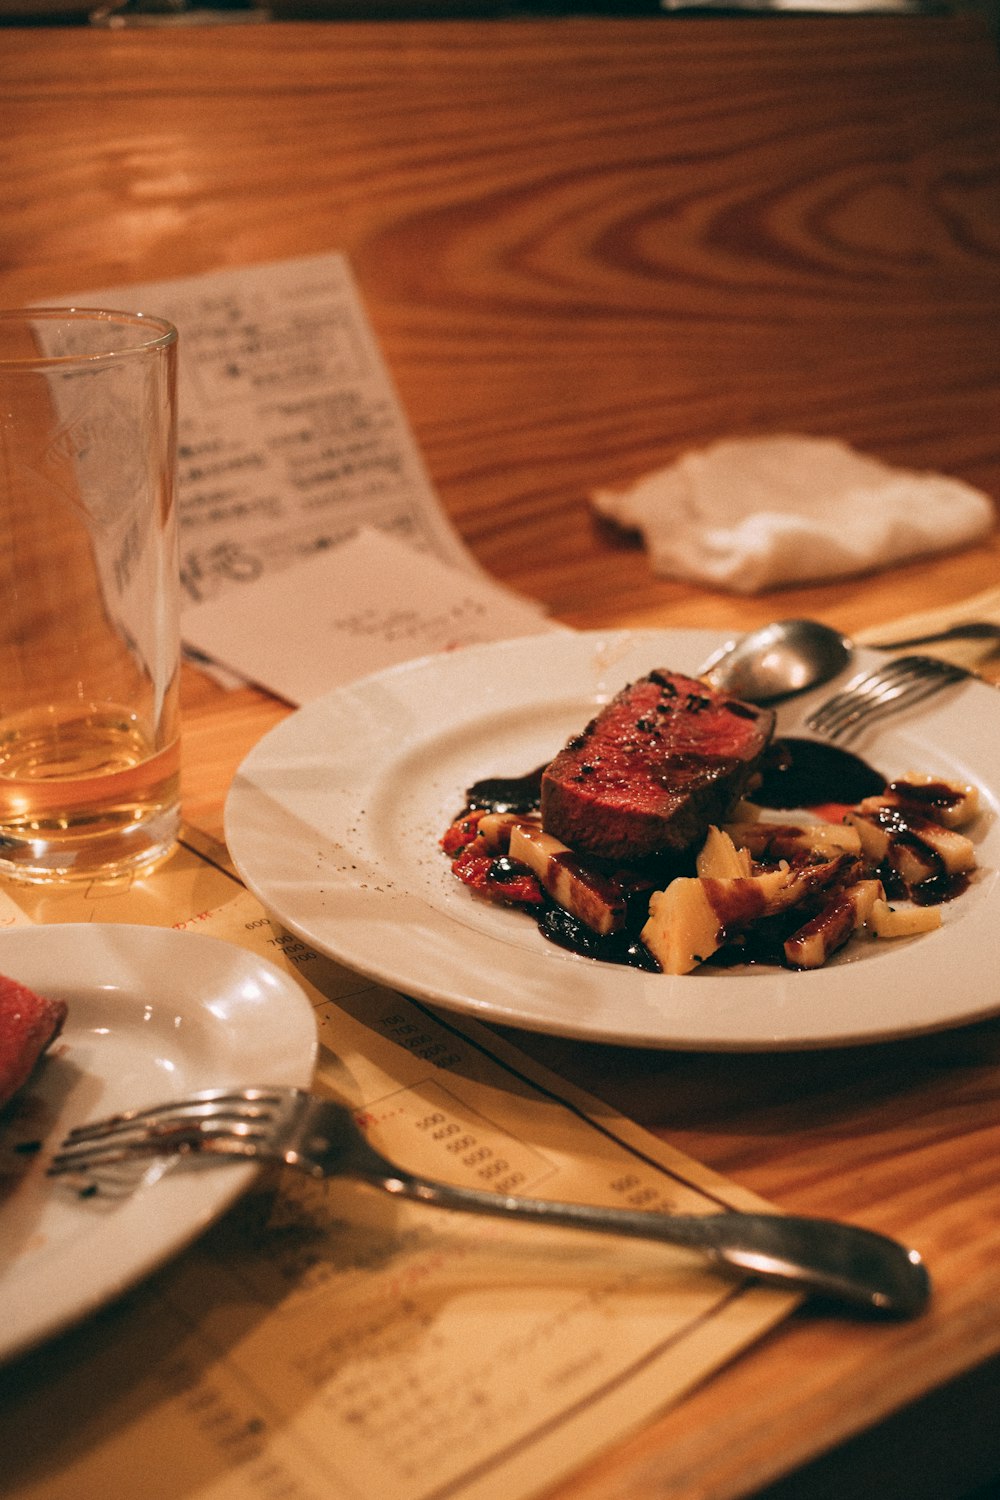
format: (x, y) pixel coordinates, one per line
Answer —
(260, 1027)
(322, 874)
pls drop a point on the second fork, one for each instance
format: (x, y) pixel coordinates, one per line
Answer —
(898, 684)
(852, 1265)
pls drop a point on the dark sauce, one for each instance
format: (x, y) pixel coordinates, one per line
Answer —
(624, 947)
(893, 884)
(938, 889)
(807, 773)
(604, 888)
(763, 944)
(506, 794)
(503, 871)
(931, 797)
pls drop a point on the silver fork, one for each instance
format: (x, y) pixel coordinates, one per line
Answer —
(854, 1266)
(886, 689)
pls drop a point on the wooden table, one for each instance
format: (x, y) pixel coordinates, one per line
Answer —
(585, 245)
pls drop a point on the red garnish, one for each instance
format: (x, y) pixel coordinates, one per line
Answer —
(832, 812)
(496, 877)
(462, 832)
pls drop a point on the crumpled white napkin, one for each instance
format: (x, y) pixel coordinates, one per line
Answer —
(748, 514)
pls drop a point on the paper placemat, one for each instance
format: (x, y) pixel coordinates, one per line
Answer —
(982, 657)
(325, 1342)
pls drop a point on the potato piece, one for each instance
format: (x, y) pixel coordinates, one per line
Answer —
(683, 927)
(827, 839)
(865, 893)
(913, 864)
(955, 851)
(720, 858)
(880, 841)
(958, 805)
(812, 945)
(764, 840)
(688, 921)
(888, 921)
(875, 841)
(496, 828)
(595, 900)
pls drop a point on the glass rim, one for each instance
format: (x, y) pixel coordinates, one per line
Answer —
(162, 334)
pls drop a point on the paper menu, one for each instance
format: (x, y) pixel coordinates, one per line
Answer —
(296, 462)
(371, 603)
(291, 435)
(325, 1342)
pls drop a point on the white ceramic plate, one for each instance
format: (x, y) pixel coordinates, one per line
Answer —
(334, 820)
(153, 1014)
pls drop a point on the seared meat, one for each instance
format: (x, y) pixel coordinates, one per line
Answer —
(667, 757)
(28, 1024)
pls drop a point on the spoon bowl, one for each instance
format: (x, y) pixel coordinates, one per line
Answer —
(778, 660)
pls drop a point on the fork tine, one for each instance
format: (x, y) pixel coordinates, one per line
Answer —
(172, 1135)
(895, 686)
(859, 689)
(102, 1154)
(213, 1104)
(869, 700)
(901, 684)
(873, 711)
(903, 696)
(237, 1121)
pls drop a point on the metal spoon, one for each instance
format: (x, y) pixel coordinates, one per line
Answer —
(778, 660)
(791, 656)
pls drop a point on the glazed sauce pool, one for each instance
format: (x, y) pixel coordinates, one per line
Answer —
(807, 773)
(506, 794)
(796, 773)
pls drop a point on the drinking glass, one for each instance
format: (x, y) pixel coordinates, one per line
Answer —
(89, 594)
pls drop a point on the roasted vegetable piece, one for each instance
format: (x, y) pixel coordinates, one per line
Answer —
(822, 935)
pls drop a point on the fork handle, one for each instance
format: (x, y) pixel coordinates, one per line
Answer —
(851, 1265)
(972, 630)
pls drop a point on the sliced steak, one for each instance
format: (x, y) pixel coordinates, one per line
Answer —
(28, 1024)
(667, 757)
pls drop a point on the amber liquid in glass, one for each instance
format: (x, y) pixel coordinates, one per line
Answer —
(81, 790)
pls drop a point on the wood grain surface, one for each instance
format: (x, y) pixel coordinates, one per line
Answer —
(585, 246)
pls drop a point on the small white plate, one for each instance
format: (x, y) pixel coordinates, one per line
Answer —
(153, 1014)
(334, 820)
